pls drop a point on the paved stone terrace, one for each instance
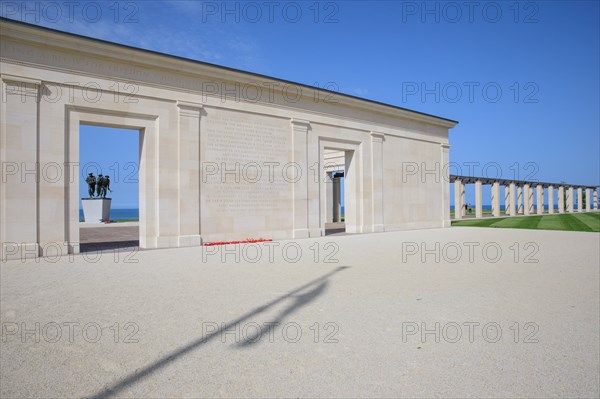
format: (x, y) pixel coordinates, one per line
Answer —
(95, 236)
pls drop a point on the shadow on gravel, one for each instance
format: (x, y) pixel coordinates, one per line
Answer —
(300, 299)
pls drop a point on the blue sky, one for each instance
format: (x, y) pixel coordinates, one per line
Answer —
(112, 152)
(542, 57)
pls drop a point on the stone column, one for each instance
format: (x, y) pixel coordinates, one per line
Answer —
(520, 208)
(530, 200)
(526, 199)
(588, 200)
(550, 200)
(540, 199)
(496, 199)
(478, 204)
(512, 200)
(579, 199)
(458, 199)
(561, 199)
(462, 199)
(337, 200)
(507, 199)
(595, 199)
(329, 197)
(570, 200)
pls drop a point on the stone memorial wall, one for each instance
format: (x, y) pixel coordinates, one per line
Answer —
(224, 154)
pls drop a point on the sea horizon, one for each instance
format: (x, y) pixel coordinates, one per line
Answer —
(119, 214)
(134, 213)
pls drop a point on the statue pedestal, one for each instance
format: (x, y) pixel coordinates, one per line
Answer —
(96, 210)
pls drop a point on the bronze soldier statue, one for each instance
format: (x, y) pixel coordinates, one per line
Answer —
(105, 185)
(99, 183)
(91, 182)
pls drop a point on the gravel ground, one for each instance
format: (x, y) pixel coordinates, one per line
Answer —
(457, 312)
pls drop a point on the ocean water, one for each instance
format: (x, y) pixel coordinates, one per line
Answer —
(119, 214)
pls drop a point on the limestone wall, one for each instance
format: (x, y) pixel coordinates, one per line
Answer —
(216, 162)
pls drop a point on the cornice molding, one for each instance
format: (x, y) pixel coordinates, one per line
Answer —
(19, 79)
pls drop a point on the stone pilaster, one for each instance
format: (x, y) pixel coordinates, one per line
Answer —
(19, 185)
(377, 141)
(189, 173)
(445, 187)
(300, 130)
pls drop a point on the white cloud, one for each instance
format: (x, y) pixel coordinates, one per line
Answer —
(181, 32)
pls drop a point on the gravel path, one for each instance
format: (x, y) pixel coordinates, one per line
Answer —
(500, 313)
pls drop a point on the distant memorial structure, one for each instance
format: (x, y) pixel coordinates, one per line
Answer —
(224, 154)
(97, 210)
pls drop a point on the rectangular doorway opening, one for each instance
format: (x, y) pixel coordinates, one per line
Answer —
(109, 211)
(335, 173)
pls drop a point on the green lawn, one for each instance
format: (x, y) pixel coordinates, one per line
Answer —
(567, 221)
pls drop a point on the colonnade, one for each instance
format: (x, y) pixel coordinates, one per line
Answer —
(523, 197)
